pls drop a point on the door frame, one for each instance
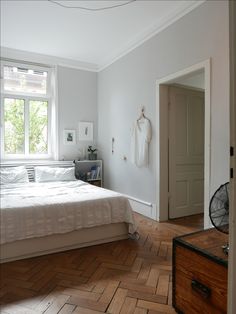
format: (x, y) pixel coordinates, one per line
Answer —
(162, 148)
(232, 214)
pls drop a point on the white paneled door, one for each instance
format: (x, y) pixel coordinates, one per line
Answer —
(186, 152)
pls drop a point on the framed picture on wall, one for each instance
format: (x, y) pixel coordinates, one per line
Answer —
(86, 131)
(69, 137)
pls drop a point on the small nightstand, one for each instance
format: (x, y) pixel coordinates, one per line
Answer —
(200, 273)
(95, 182)
(83, 167)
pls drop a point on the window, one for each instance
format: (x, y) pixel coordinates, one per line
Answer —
(25, 80)
(26, 112)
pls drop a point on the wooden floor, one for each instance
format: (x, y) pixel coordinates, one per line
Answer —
(129, 276)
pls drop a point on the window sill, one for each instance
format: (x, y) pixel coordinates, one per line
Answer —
(35, 162)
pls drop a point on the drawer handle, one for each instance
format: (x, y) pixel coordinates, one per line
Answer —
(203, 290)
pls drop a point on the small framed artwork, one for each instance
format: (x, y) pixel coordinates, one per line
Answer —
(69, 137)
(86, 131)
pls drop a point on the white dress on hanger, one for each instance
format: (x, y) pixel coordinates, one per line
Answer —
(140, 138)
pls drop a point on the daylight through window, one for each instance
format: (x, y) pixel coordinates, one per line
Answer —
(26, 108)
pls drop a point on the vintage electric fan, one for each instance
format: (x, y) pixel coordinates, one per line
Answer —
(219, 211)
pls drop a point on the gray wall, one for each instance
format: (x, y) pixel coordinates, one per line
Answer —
(196, 80)
(77, 101)
(131, 81)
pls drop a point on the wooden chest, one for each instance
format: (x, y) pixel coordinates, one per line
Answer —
(200, 273)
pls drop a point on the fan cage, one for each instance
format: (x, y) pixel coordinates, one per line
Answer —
(224, 228)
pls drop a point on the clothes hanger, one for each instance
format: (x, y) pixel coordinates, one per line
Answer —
(142, 115)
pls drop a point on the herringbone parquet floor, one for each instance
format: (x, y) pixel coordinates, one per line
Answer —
(129, 276)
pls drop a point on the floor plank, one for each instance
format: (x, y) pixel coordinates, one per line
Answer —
(128, 276)
(67, 309)
(117, 302)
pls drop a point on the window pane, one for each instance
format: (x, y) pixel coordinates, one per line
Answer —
(38, 127)
(14, 126)
(25, 80)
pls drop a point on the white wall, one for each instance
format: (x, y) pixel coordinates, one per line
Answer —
(131, 81)
(77, 96)
(77, 101)
(197, 80)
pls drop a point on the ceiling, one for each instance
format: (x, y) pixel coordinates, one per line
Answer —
(96, 38)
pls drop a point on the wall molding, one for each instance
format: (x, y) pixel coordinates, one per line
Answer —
(47, 60)
(151, 32)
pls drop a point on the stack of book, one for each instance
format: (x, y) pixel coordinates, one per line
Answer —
(95, 173)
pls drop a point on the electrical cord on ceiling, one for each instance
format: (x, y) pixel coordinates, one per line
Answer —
(90, 9)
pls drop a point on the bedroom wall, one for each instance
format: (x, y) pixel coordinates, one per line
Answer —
(77, 101)
(197, 80)
(131, 82)
(76, 95)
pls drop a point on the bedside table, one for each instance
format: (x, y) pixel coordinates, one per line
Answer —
(83, 167)
(200, 273)
(96, 182)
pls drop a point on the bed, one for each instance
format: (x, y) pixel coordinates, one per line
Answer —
(38, 218)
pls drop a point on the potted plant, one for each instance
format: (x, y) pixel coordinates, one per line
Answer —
(91, 153)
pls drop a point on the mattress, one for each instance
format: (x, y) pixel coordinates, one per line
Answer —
(30, 210)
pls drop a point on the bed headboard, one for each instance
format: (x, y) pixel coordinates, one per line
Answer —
(30, 166)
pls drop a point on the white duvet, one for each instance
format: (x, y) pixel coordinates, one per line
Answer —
(31, 210)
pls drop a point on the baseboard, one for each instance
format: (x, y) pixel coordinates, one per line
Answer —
(143, 208)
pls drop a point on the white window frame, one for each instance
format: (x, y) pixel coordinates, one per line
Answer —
(49, 97)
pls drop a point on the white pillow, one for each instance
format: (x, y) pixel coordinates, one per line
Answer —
(46, 174)
(13, 175)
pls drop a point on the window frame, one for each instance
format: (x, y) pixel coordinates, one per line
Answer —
(27, 97)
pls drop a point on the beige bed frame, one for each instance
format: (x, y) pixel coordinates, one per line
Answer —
(62, 242)
(59, 242)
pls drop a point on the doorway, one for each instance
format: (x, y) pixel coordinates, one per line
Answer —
(177, 81)
(185, 149)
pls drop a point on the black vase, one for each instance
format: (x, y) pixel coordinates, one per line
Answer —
(92, 156)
